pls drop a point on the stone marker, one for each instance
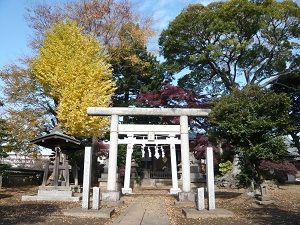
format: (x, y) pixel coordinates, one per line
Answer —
(200, 198)
(96, 198)
(210, 180)
(86, 178)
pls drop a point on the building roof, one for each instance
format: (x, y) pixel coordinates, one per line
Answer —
(57, 138)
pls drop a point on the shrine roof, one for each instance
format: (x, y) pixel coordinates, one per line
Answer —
(57, 138)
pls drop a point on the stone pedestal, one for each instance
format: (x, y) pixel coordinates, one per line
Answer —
(174, 191)
(110, 196)
(50, 193)
(186, 197)
(126, 191)
(103, 183)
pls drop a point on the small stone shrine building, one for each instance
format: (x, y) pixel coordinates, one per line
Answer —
(58, 188)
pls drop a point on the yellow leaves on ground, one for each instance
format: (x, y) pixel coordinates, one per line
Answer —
(73, 70)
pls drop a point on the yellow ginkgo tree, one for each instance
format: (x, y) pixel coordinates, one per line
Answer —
(72, 68)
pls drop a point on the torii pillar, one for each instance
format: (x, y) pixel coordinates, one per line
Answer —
(115, 112)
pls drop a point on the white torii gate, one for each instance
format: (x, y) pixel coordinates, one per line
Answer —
(115, 112)
(149, 131)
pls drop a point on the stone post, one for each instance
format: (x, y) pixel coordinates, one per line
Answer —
(127, 189)
(67, 175)
(200, 199)
(174, 189)
(56, 167)
(46, 171)
(86, 178)
(75, 169)
(113, 153)
(210, 180)
(185, 154)
(96, 198)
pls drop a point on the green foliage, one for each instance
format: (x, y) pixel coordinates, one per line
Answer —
(291, 86)
(136, 155)
(247, 173)
(135, 70)
(254, 120)
(4, 167)
(227, 42)
(224, 167)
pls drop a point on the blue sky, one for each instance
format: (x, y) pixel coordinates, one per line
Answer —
(15, 32)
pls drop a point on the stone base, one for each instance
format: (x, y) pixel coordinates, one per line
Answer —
(174, 191)
(185, 204)
(91, 213)
(55, 193)
(267, 202)
(103, 184)
(126, 191)
(110, 196)
(215, 213)
(187, 197)
(263, 198)
(51, 198)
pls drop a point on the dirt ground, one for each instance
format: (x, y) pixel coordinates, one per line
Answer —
(285, 210)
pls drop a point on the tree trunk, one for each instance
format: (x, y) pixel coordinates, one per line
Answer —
(95, 171)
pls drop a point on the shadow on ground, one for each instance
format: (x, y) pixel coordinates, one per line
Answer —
(5, 196)
(28, 213)
(274, 215)
(226, 194)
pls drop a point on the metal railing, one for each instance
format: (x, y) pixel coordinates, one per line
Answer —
(160, 174)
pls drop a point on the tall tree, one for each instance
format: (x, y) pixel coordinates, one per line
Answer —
(254, 120)
(28, 111)
(135, 70)
(101, 17)
(33, 110)
(291, 86)
(233, 43)
(73, 71)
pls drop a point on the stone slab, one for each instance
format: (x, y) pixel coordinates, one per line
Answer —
(91, 213)
(215, 213)
(51, 198)
(112, 204)
(185, 204)
(268, 202)
(55, 193)
(51, 188)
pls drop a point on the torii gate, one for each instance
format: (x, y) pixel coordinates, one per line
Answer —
(132, 130)
(115, 112)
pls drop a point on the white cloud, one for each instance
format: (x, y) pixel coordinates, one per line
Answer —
(164, 11)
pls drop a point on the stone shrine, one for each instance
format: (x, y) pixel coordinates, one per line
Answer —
(58, 188)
